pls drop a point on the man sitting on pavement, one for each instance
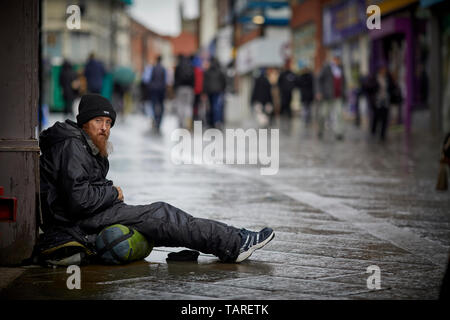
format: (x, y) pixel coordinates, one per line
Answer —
(75, 192)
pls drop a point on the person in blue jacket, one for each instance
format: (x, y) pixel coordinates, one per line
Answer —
(94, 71)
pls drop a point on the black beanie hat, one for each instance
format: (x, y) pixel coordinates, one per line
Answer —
(94, 105)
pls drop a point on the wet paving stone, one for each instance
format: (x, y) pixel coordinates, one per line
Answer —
(323, 246)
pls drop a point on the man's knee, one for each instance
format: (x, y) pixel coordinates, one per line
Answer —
(159, 204)
(166, 208)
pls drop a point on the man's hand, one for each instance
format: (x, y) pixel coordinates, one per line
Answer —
(120, 196)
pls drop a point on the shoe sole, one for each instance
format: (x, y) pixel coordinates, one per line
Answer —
(248, 253)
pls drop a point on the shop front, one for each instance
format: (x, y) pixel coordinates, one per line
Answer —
(402, 44)
(393, 45)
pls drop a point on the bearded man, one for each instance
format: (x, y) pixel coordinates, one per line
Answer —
(76, 195)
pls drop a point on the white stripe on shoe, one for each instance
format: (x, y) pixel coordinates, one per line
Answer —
(247, 241)
(244, 255)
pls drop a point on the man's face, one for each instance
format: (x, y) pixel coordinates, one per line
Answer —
(98, 129)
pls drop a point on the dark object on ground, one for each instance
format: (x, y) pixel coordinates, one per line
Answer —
(63, 246)
(184, 255)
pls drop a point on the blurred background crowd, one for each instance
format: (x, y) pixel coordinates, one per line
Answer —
(266, 60)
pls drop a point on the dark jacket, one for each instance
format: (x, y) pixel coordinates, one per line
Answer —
(286, 81)
(371, 89)
(262, 91)
(214, 80)
(94, 73)
(184, 74)
(325, 83)
(158, 78)
(305, 83)
(73, 175)
(66, 78)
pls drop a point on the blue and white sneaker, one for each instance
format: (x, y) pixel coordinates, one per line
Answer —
(252, 241)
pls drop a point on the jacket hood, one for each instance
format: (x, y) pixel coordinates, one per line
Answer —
(60, 131)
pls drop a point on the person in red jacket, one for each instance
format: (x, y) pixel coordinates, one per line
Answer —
(198, 86)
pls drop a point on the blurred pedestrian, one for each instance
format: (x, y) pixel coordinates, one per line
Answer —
(261, 99)
(94, 71)
(70, 85)
(117, 97)
(198, 86)
(83, 83)
(145, 92)
(214, 87)
(305, 83)
(158, 83)
(380, 90)
(356, 94)
(184, 91)
(123, 78)
(331, 93)
(286, 84)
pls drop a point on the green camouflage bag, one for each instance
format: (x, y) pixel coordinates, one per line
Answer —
(119, 244)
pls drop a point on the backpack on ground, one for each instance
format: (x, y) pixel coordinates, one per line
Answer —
(63, 246)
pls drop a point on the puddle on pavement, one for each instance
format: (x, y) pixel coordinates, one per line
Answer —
(99, 281)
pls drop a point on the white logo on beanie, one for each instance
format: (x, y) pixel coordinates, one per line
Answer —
(106, 112)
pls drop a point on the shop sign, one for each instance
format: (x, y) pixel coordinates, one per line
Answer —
(344, 20)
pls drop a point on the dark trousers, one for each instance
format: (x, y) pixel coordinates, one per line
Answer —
(157, 99)
(307, 112)
(169, 226)
(380, 117)
(286, 98)
(215, 109)
(195, 107)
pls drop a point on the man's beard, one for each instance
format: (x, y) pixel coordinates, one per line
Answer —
(104, 146)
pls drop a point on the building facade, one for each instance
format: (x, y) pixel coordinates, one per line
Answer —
(103, 30)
